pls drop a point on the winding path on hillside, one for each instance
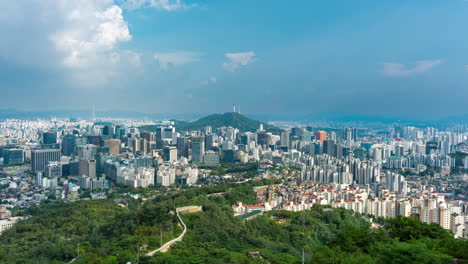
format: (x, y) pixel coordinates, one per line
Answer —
(168, 245)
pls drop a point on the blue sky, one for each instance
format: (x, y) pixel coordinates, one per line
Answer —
(392, 58)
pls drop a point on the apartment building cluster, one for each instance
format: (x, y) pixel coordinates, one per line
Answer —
(428, 206)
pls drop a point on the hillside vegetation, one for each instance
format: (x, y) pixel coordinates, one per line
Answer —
(108, 233)
(236, 120)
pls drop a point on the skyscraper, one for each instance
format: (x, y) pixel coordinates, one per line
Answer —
(49, 137)
(149, 136)
(168, 132)
(198, 149)
(159, 133)
(39, 179)
(182, 146)
(87, 168)
(68, 145)
(113, 145)
(321, 136)
(329, 147)
(348, 136)
(141, 146)
(39, 158)
(209, 141)
(108, 131)
(53, 169)
(170, 154)
(285, 139)
(13, 156)
(87, 152)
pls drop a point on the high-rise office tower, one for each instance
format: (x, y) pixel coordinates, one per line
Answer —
(39, 179)
(209, 141)
(329, 147)
(96, 140)
(198, 149)
(87, 152)
(113, 145)
(321, 136)
(53, 169)
(49, 137)
(13, 156)
(69, 145)
(354, 133)
(168, 132)
(285, 139)
(101, 159)
(170, 154)
(348, 136)
(159, 133)
(81, 141)
(87, 168)
(182, 147)
(108, 131)
(120, 132)
(142, 146)
(39, 158)
(149, 136)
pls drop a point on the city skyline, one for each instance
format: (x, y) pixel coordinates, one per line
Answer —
(207, 131)
(393, 59)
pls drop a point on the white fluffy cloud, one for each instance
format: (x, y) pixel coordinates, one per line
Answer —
(176, 58)
(397, 69)
(237, 60)
(169, 5)
(80, 37)
(89, 33)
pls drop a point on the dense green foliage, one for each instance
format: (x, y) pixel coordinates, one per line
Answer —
(215, 236)
(105, 231)
(236, 120)
(109, 233)
(246, 169)
(403, 240)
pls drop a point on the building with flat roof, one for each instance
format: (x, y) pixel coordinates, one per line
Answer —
(8, 223)
(40, 158)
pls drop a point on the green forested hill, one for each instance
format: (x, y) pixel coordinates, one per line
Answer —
(232, 119)
(108, 233)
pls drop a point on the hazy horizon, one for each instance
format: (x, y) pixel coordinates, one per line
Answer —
(389, 59)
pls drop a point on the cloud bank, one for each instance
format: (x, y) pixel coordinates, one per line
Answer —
(237, 60)
(80, 37)
(167, 60)
(398, 69)
(168, 5)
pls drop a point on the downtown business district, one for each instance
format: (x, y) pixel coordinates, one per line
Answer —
(386, 172)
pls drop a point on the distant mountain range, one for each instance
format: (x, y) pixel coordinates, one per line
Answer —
(302, 118)
(99, 114)
(236, 120)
